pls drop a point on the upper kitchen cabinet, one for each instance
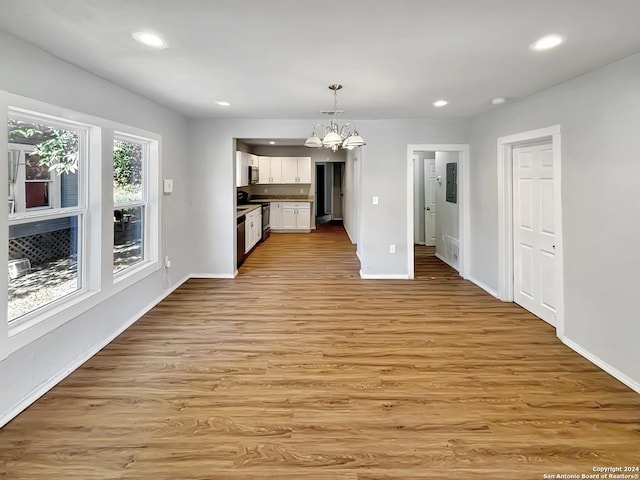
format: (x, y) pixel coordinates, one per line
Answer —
(242, 169)
(296, 169)
(244, 162)
(270, 170)
(284, 170)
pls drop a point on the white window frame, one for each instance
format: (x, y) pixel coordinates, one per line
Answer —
(97, 225)
(149, 202)
(23, 215)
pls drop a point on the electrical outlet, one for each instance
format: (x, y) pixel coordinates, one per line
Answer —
(266, 190)
(375, 200)
(301, 190)
(392, 249)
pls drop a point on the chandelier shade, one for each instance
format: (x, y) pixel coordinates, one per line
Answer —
(313, 141)
(334, 136)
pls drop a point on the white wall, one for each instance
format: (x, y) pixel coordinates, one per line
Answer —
(30, 72)
(349, 213)
(599, 114)
(383, 174)
(337, 194)
(447, 213)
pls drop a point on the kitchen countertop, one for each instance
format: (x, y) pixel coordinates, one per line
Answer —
(244, 209)
(282, 198)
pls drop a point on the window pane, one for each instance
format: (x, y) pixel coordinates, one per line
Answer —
(127, 172)
(37, 194)
(43, 263)
(35, 170)
(128, 237)
(42, 153)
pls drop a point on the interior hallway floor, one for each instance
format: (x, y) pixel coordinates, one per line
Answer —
(300, 369)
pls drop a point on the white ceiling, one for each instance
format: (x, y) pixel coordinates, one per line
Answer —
(275, 58)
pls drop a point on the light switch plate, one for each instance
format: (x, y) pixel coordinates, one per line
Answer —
(167, 186)
(375, 200)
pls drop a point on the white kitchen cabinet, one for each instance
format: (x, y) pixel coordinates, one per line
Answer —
(303, 216)
(275, 215)
(252, 229)
(296, 216)
(242, 169)
(288, 216)
(270, 170)
(304, 169)
(296, 169)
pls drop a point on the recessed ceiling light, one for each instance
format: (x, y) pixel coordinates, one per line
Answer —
(272, 143)
(440, 103)
(499, 100)
(222, 103)
(150, 39)
(547, 42)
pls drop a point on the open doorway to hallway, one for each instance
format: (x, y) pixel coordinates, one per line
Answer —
(329, 193)
(437, 204)
(436, 209)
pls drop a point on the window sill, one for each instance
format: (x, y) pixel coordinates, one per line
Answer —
(127, 277)
(37, 325)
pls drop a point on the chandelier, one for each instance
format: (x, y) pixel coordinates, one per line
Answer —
(334, 136)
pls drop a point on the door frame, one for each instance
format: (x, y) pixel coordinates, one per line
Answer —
(505, 213)
(463, 202)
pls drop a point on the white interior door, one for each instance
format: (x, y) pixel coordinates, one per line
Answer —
(430, 201)
(534, 255)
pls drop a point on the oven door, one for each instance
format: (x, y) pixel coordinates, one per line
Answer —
(266, 221)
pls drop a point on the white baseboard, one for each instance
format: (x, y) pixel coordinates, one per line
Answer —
(7, 416)
(486, 288)
(445, 260)
(213, 275)
(384, 276)
(629, 382)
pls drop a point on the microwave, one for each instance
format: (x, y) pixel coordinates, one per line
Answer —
(253, 175)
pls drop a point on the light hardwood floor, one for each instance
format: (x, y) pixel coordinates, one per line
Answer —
(298, 369)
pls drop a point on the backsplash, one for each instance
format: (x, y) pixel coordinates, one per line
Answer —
(279, 190)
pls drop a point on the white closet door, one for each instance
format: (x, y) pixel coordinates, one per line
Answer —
(533, 234)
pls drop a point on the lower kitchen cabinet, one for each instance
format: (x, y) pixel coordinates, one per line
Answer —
(275, 215)
(290, 216)
(252, 229)
(296, 216)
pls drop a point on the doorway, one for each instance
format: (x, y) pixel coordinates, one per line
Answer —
(436, 206)
(450, 245)
(530, 223)
(329, 194)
